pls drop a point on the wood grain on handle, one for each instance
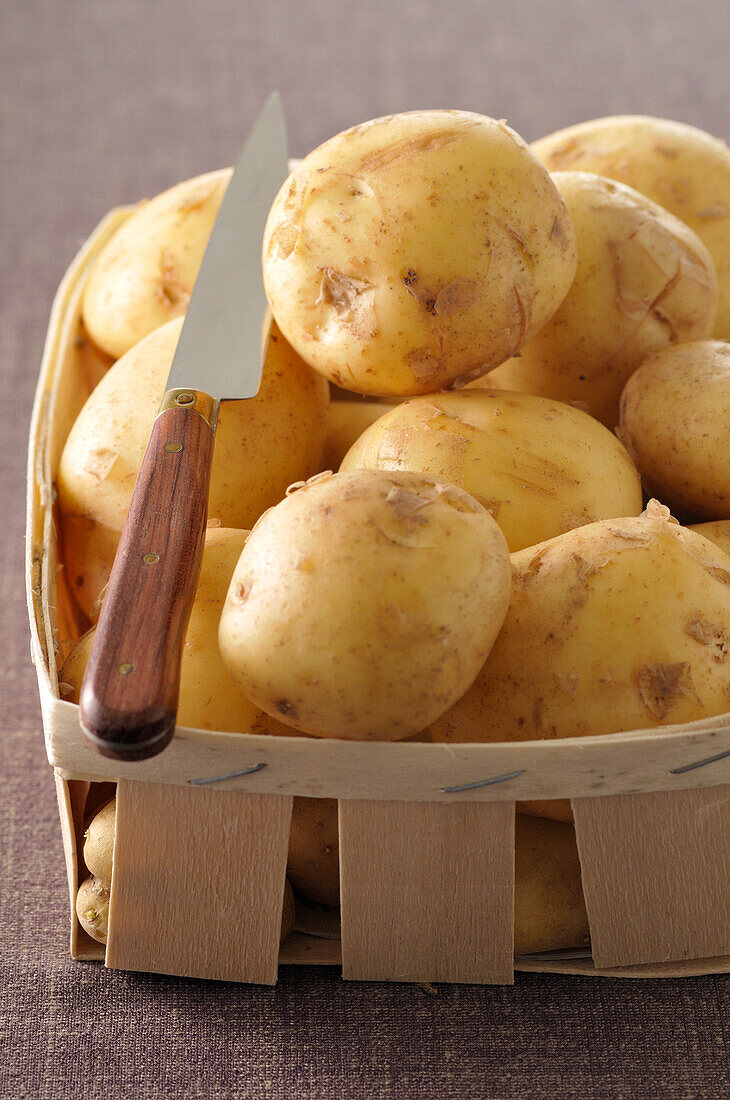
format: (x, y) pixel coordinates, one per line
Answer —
(130, 690)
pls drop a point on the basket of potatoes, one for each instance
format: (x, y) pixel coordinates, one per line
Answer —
(455, 690)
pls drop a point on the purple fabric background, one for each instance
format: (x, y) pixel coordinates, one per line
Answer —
(103, 103)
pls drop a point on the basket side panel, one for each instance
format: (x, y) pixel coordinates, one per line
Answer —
(427, 891)
(198, 882)
(656, 875)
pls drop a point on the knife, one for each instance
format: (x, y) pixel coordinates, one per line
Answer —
(130, 690)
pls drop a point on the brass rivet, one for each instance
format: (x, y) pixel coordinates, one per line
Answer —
(173, 448)
(151, 559)
(185, 399)
(126, 668)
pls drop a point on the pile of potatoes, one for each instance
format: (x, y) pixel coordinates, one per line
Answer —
(482, 360)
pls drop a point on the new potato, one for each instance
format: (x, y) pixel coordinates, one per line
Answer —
(620, 625)
(209, 696)
(549, 908)
(92, 899)
(92, 907)
(99, 842)
(144, 276)
(262, 445)
(313, 860)
(644, 281)
(416, 251)
(685, 170)
(364, 604)
(539, 466)
(347, 421)
(717, 531)
(675, 415)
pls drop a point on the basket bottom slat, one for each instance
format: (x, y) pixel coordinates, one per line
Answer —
(427, 891)
(198, 882)
(656, 875)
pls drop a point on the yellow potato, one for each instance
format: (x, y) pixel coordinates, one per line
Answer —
(347, 421)
(685, 170)
(262, 445)
(549, 908)
(145, 274)
(675, 414)
(99, 842)
(620, 625)
(644, 281)
(550, 911)
(364, 604)
(92, 899)
(539, 466)
(313, 865)
(209, 696)
(717, 531)
(92, 907)
(416, 251)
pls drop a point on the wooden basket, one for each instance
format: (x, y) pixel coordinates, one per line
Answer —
(426, 844)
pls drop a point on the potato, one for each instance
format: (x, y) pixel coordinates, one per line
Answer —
(99, 842)
(364, 604)
(675, 412)
(347, 421)
(644, 281)
(416, 251)
(682, 168)
(144, 275)
(620, 625)
(92, 899)
(209, 696)
(313, 864)
(550, 912)
(717, 531)
(540, 467)
(549, 908)
(262, 445)
(92, 907)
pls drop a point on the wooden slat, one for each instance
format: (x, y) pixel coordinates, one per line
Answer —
(656, 875)
(405, 771)
(427, 891)
(198, 882)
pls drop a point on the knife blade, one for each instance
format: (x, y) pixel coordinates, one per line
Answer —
(130, 690)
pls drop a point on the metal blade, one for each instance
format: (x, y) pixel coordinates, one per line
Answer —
(219, 351)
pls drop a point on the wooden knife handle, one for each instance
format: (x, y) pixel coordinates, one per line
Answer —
(130, 690)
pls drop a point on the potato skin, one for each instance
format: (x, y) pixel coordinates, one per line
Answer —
(675, 411)
(539, 466)
(717, 531)
(99, 842)
(262, 445)
(144, 276)
(685, 170)
(347, 421)
(644, 281)
(313, 865)
(209, 696)
(416, 251)
(92, 907)
(92, 899)
(550, 911)
(619, 625)
(365, 603)
(549, 908)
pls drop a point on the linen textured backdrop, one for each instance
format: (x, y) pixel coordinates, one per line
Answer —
(102, 104)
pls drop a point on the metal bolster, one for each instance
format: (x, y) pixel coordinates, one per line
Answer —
(187, 398)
